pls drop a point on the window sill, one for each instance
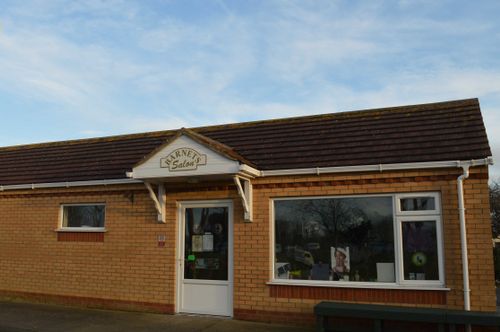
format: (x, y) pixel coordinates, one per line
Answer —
(347, 284)
(81, 230)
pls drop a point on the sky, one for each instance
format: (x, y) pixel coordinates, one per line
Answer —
(77, 69)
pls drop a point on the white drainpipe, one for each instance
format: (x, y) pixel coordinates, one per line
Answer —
(463, 235)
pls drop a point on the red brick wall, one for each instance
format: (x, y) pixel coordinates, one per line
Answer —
(253, 266)
(32, 260)
(126, 266)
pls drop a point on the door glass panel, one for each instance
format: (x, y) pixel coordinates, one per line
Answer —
(206, 243)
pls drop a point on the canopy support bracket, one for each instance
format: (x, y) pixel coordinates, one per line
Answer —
(158, 199)
(245, 191)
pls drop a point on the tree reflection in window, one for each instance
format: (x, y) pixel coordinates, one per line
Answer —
(83, 216)
(313, 236)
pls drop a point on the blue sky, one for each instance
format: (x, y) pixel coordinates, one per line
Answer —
(74, 69)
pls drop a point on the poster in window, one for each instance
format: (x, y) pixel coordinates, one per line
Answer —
(208, 242)
(197, 243)
(340, 262)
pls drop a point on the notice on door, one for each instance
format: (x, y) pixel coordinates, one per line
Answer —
(197, 243)
(208, 242)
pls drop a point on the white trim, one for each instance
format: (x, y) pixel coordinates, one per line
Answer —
(272, 244)
(248, 170)
(439, 244)
(81, 230)
(332, 196)
(378, 167)
(255, 172)
(206, 282)
(348, 284)
(398, 255)
(427, 215)
(68, 184)
(181, 208)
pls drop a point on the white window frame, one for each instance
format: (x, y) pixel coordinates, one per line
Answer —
(399, 283)
(439, 237)
(437, 203)
(62, 228)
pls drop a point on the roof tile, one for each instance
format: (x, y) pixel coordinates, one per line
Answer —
(451, 130)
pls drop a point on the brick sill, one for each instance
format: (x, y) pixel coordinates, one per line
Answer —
(68, 235)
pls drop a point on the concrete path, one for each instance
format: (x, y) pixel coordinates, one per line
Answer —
(23, 317)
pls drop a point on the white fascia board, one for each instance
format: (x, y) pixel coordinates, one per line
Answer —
(379, 167)
(249, 171)
(69, 184)
(254, 172)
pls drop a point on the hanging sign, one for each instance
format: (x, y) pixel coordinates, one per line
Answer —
(183, 159)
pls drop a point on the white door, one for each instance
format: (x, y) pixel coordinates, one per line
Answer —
(205, 275)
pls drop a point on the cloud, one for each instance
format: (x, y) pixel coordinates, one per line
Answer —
(46, 67)
(122, 66)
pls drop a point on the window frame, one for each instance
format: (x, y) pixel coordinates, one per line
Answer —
(439, 238)
(398, 254)
(62, 228)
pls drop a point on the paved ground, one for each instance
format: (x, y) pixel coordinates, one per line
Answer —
(22, 317)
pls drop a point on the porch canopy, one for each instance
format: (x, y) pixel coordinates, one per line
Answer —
(191, 157)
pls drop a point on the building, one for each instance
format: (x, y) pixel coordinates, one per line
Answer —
(257, 220)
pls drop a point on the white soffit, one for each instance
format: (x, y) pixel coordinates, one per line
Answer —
(184, 157)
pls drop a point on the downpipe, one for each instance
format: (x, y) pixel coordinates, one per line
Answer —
(463, 238)
(463, 235)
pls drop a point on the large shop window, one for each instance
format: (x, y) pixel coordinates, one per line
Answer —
(83, 217)
(359, 240)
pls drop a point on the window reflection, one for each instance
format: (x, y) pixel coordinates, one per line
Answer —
(418, 204)
(340, 239)
(420, 254)
(85, 216)
(206, 243)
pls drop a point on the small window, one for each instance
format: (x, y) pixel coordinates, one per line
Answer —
(83, 216)
(418, 204)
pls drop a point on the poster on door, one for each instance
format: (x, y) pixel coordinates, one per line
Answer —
(208, 242)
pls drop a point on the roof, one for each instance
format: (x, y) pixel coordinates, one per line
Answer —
(452, 130)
